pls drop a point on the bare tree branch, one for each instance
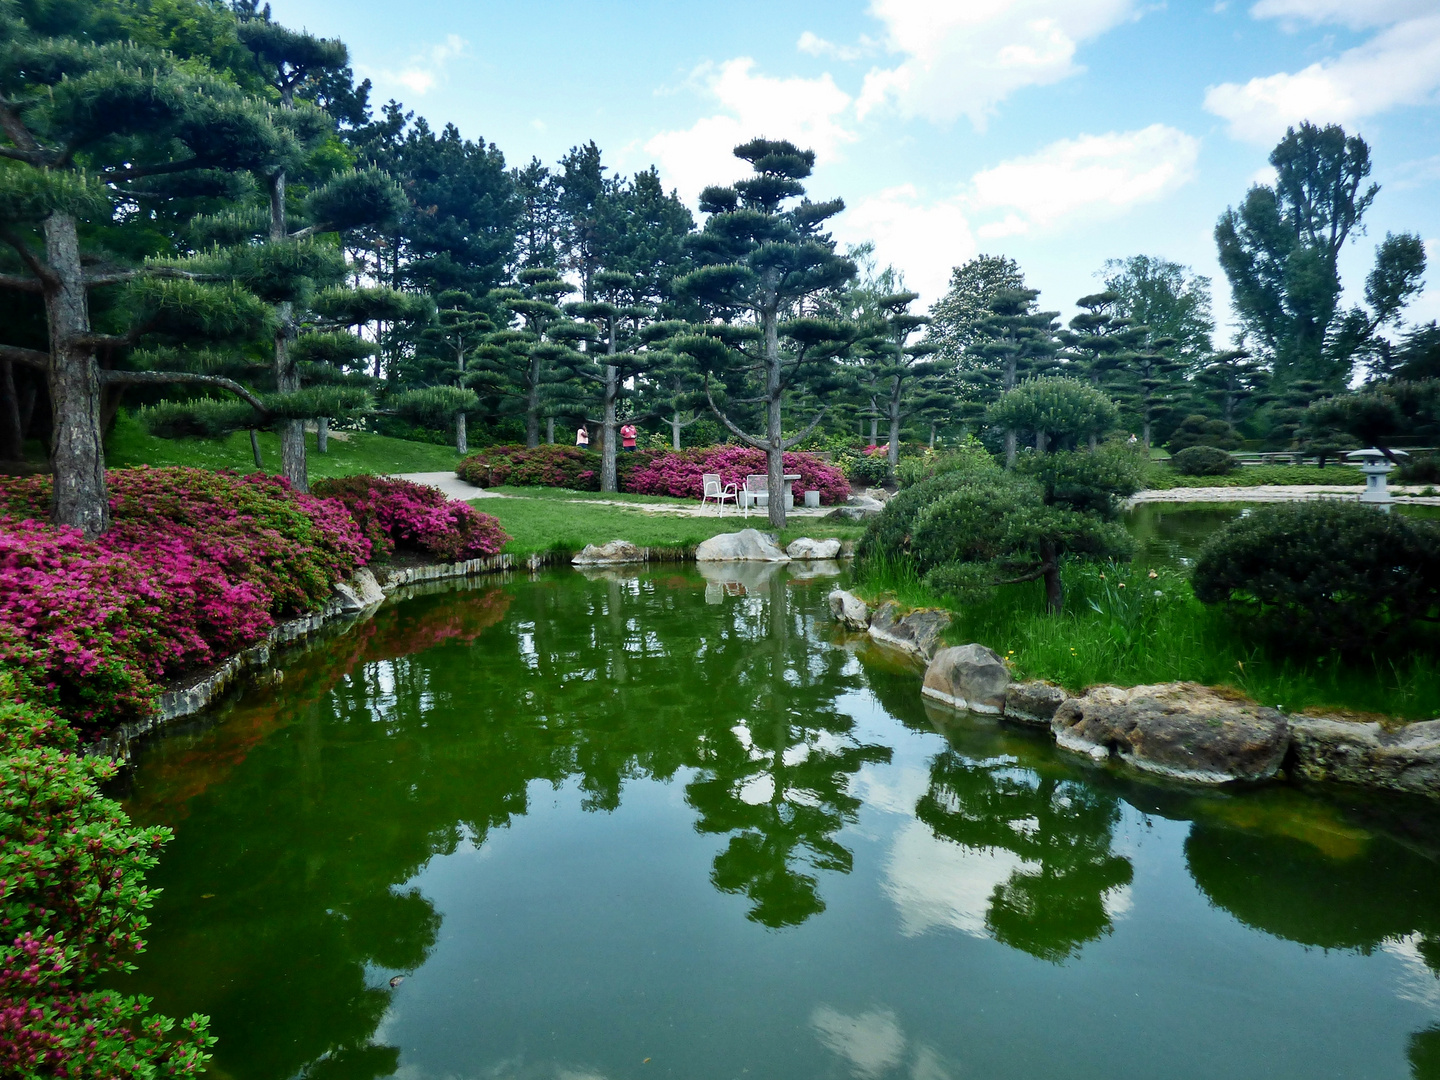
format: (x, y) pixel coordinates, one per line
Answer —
(118, 277)
(21, 284)
(29, 357)
(14, 127)
(29, 258)
(758, 444)
(785, 444)
(133, 378)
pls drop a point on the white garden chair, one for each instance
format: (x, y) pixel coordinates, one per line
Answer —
(757, 489)
(717, 490)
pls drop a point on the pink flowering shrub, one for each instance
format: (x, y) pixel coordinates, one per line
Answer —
(195, 567)
(72, 904)
(680, 474)
(551, 465)
(402, 514)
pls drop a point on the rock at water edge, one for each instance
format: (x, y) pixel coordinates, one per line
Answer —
(745, 545)
(849, 609)
(916, 632)
(1403, 759)
(1181, 730)
(968, 677)
(616, 551)
(1033, 702)
(805, 548)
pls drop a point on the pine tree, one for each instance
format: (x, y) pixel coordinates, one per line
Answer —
(461, 326)
(759, 263)
(903, 366)
(1235, 382)
(86, 129)
(956, 318)
(1012, 342)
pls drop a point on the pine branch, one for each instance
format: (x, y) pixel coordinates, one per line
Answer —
(21, 284)
(135, 378)
(119, 277)
(29, 357)
(729, 425)
(785, 444)
(29, 258)
(14, 127)
(136, 172)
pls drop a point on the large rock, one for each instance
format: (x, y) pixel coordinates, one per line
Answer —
(968, 677)
(1402, 759)
(360, 593)
(1033, 702)
(1181, 730)
(858, 508)
(616, 551)
(916, 632)
(747, 545)
(805, 548)
(849, 609)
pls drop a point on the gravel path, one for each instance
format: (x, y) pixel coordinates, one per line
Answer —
(1267, 493)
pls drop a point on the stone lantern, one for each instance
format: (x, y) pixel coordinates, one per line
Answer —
(1375, 465)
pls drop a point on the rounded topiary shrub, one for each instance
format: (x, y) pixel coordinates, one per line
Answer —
(1202, 461)
(1325, 576)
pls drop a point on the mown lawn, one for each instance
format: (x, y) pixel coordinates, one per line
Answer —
(358, 453)
(546, 524)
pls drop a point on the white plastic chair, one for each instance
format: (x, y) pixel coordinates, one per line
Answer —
(757, 490)
(715, 489)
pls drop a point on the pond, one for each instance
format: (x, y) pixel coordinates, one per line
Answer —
(649, 823)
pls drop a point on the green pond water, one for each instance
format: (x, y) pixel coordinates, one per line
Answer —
(649, 823)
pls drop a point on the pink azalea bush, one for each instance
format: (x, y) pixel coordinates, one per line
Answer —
(196, 567)
(680, 473)
(402, 514)
(551, 465)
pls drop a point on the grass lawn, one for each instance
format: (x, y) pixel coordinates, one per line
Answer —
(564, 494)
(359, 453)
(545, 524)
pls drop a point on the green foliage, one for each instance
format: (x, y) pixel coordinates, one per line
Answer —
(310, 402)
(861, 468)
(73, 910)
(1325, 576)
(199, 418)
(433, 405)
(1164, 477)
(1199, 430)
(1092, 482)
(191, 309)
(1067, 411)
(967, 455)
(1203, 461)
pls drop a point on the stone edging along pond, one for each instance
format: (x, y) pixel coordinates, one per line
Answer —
(1182, 731)
(1178, 730)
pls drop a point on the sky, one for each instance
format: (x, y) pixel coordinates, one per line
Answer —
(1061, 133)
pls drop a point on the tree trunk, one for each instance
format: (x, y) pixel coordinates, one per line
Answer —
(675, 430)
(1010, 449)
(774, 435)
(1011, 367)
(255, 449)
(532, 406)
(462, 443)
(550, 430)
(1040, 441)
(892, 452)
(1145, 437)
(77, 458)
(287, 379)
(322, 435)
(874, 426)
(608, 438)
(1054, 590)
(932, 436)
(12, 435)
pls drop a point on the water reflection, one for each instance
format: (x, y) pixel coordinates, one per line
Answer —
(309, 817)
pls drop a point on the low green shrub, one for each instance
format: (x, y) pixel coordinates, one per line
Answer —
(1202, 461)
(1162, 477)
(1419, 469)
(863, 469)
(1197, 430)
(1328, 576)
(550, 465)
(72, 904)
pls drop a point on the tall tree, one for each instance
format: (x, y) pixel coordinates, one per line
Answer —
(759, 261)
(1013, 341)
(1280, 250)
(1236, 382)
(957, 317)
(1168, 299)
(902, 366)
(90, 132)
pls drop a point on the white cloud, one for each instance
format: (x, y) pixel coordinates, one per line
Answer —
(1356, 14)
(1086, 176)
(806, 111)
(814, 45)
(425, 69)
(871, 1042)
(1398, 66)
(963, 59)
(922, 239)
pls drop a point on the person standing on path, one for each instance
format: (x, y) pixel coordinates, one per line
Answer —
(582, 436)
(627, 437)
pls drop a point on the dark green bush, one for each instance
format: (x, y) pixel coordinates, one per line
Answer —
(1419, 469)
(1332, 576)
(1202, 461)
(1197, 430)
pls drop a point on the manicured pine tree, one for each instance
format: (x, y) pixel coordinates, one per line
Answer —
(903, 367)
(459, 329)
(759, 262)
(1012, 342)
(88, 129)
(1236, 384)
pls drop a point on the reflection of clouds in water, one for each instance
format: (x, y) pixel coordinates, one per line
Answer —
(935, 883)
(893, 789)
(873, 1044)
(1417, 982)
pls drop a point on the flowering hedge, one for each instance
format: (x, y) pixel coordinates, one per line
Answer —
(402, 514)
(196, 566)
(680, 473)
(549, 465)
(72, 903)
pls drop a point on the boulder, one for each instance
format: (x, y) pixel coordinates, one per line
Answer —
(1406, 758)
(1033, 702)
(616, 551)
(805, 548)
(916, 632)
(858, 508)
(1181, 730)
(360, 593)
(850, 609)
(747, 545)
(968, 677)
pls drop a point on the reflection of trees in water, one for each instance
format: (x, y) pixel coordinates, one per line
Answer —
(1062, 830)
(285, 886)
(1425, 1054)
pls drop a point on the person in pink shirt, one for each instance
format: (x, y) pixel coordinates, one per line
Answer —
(627, 436)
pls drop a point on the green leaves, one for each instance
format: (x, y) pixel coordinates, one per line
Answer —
(1065, 409)
(351, 307)
(433, 406)
(181, 309)
(366, 197)
(28, 196)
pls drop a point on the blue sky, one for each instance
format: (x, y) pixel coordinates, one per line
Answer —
(1059, 132)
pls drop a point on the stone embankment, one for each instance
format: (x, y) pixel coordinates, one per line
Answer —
(1182, 731)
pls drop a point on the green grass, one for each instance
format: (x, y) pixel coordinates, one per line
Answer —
(359, 453)
(547, 524)
(1162, 477)
(1117, 630)
(565, 494)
